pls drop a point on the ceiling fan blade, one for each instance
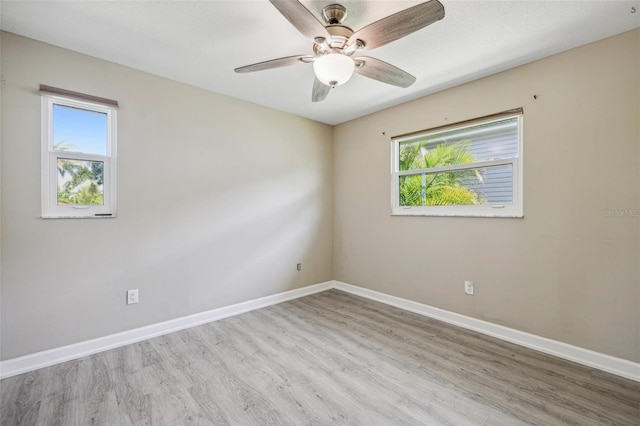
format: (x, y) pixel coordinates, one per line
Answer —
(275, 63)
(398, 25)
(303, 20)
(382, 71)
(320, 91)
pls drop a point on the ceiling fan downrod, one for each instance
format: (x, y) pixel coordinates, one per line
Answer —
(334, 14)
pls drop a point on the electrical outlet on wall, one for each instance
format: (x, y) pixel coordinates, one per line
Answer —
(299, 267)
(468, 288)
(132, 296)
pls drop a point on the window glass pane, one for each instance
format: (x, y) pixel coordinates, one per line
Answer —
(487, 185)
(483, 142)
(79, 130)
(80, 182)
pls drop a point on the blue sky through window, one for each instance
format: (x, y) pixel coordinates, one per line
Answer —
(79, 130)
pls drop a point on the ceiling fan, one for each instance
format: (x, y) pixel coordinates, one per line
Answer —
(334, 44)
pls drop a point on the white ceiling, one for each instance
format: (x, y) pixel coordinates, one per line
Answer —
(201, 42)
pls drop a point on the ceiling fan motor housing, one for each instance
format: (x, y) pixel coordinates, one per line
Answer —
(334, 15)
(339, 36)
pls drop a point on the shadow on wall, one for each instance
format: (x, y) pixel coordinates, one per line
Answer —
(226, 246)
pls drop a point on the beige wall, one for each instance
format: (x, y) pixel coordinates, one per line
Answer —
(566, 271)
(218, 199)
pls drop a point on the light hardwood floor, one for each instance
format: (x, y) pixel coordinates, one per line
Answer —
(330, 358)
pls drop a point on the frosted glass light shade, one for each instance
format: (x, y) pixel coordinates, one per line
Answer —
(333, 69)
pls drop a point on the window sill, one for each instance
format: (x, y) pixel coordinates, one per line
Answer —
(491, 213)
(109, 216)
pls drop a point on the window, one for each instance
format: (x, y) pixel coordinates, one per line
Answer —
(78, 155)
(466, 169)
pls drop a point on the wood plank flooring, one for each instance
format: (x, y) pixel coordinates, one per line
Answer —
(326, 359)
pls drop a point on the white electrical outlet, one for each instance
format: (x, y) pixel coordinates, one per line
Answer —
(299, 267)
(132, 296)
(468, 288)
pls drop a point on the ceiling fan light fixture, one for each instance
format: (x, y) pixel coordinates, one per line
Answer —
(333, 69)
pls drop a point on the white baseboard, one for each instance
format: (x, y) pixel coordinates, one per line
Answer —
(23, 364)
(610, 364)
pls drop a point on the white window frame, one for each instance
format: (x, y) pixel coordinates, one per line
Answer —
(515, 210)
(50, 207)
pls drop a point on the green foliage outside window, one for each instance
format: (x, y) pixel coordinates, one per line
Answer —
(438, 189)
(79, 181)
